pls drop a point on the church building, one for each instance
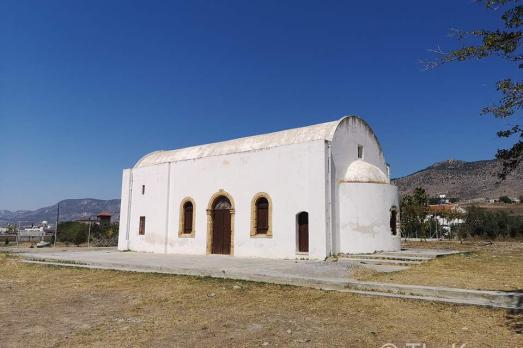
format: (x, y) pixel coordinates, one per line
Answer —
(309, 192)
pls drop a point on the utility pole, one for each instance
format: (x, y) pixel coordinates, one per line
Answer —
(56, 227)
(89, 233)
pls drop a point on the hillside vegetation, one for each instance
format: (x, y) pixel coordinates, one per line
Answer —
(464, 180)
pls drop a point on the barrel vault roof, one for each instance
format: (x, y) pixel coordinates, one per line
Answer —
(322, 131)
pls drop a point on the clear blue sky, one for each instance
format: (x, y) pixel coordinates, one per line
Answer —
(88, 87)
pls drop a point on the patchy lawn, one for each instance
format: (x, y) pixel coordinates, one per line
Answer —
(497, 266)
(53, 306)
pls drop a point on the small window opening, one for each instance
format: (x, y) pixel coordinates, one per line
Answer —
(360, 151)
(143, 189)
(141, 230)
(393, 221)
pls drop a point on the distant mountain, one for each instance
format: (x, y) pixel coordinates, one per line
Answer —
(464, 180)
(70, 209)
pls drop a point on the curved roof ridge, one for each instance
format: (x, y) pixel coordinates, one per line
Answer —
(321, 131)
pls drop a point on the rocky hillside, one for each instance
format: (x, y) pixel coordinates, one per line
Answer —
(70, 209)
(464, 180)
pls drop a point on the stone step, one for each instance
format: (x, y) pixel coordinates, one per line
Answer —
(383, 261)
(401, 254)
(471, 302)
(489, 298)
(386, 257)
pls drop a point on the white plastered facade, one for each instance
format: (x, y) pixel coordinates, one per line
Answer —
(313, 169)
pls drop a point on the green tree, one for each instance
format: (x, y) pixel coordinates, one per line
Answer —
(414, 210)
(11, 229)
(482, 223)
(504, 42)
(72, 232)
(505, 199)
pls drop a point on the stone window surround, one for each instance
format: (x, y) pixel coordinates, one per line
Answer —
(181, 217)
(254, 233)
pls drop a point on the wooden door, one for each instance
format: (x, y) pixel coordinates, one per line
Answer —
(221, 229)
(303, 232)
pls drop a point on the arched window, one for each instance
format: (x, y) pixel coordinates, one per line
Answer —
(187, 218)
(393, 220)
(261, 216)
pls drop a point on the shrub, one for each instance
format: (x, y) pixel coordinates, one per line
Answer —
(72, 232)
(505, 199)
(482, 223)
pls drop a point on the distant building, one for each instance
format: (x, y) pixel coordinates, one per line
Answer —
(442, 213)
(104, 218)
(443, 199)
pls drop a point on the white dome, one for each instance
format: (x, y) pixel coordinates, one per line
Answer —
(361, 171)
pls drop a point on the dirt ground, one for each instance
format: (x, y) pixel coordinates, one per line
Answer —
(53, 306)
(497, 266)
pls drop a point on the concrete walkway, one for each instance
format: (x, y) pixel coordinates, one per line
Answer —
(317, 274)
(296, 272)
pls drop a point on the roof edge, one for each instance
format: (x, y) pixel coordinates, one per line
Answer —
(329, 135)
(360, 119)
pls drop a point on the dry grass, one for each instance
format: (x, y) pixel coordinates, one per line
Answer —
(490, 267)
(51, 306)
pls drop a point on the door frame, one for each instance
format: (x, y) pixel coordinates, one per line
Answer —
(210, 207)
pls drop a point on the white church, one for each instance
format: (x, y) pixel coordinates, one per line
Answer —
(308, 192)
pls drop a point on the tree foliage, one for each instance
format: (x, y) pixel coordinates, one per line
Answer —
(505, 199)
(482, 223)
(77, 233)
(72, 232)
(506, 43)
(414, 209)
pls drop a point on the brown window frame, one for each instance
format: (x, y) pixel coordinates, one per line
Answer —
(141, 227)
(188, 217)
(262, 213)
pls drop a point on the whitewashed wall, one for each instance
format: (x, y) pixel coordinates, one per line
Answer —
(124, 211)
(308, 176)
(365, 217)
(152, 205)
(293, 176)
(350, 133)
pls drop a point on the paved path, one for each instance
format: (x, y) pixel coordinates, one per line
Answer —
(301, 272)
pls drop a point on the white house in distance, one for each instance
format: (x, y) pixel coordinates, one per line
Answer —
(309, 192)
